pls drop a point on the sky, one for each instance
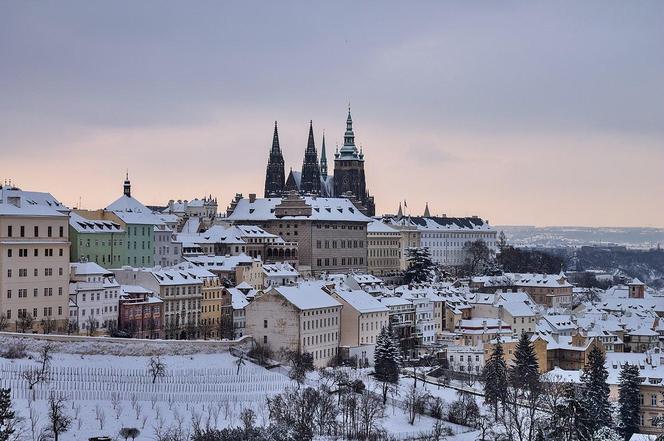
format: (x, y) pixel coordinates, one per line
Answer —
(527, 113)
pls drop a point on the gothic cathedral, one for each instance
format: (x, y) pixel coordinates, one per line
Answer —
(348, 179)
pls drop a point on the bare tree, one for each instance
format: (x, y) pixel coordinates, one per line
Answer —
(92, 325)
(4, 323)
(47, 324)
(33, 418)
(59, 421)
(157, 368)
(415, 401)
(100, 416)
(39, 374)
(24, 322)
(370, 410)
(116, 405)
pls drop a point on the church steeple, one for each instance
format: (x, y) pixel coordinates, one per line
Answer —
(349, 151)
(127, 185)
(426, 210)
(310, 181)
(274, 175)
(323, 159)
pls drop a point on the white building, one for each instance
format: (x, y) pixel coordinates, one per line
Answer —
(279, 274)
(167, 250)
(446, 237)
(93, 298)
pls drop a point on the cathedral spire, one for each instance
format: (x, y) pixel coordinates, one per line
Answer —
(310, 180)
(426, 210)
(323, 159)
(274, 175)
(400, 212)
(276, 150)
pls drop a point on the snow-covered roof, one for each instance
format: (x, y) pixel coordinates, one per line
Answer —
(88, 269)
(323, 209)
(436, 223)
(195, 270)
(361, 301)
(238, 299)
(378, 226)
(128, 203)
(30, 198)
(83, 225)
(220, 263)
(28, 210)
(280, 270)
(395, 301)
(308, 295)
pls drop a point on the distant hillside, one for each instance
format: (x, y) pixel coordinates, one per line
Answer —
(554, 237)
(648, 266)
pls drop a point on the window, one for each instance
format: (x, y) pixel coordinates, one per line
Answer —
(62, 232)
(9, 252)
(10, 233)
(264, 323)
(49, 231)
(265, 339)
(36, 231)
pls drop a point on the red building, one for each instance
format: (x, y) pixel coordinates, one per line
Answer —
(141, 313)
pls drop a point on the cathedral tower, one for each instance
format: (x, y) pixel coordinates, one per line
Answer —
(349, 170)
(323, 160)
(274, 176)
(310, 181)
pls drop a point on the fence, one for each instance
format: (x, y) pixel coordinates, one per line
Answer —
(180, 385)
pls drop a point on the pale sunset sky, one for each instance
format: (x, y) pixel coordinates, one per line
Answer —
(539, 113)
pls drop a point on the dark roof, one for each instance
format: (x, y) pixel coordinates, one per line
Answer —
(464, 222)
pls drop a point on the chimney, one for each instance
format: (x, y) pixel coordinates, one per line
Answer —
(252, 198)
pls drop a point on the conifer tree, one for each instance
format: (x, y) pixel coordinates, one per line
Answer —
(571, 419)
(629, 401)
(595, 389)
(420, 266)
(7, 415)
(524, 374)
(387, 359)
(494, 377)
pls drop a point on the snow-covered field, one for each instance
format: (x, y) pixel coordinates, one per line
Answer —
(108, 392)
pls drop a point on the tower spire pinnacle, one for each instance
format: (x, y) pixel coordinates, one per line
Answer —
(323, 159)
(274, 175)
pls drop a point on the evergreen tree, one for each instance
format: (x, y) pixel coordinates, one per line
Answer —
(571, 419)
(420, 266)
(595, 389)
(7, 415)
(629, 400)
(387, 359)
(494, 377)
(524, 374)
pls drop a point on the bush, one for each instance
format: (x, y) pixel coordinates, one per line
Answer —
(15, 351)
(358, 386)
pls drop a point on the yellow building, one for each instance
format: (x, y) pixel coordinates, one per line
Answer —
(34, 264)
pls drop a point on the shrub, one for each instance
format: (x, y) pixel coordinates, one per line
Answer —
(15, 350)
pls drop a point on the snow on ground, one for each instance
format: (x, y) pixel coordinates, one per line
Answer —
(108, 392)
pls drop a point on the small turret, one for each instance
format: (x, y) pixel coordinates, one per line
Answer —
(127, 186)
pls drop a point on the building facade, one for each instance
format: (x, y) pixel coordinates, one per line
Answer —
(331, 233)
(383, 249)
(34, 265)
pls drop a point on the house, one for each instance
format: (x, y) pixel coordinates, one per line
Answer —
(362, 319)
(181, 292)
(141, 312)
(34, 261)
(94, 297)
(302, 318)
